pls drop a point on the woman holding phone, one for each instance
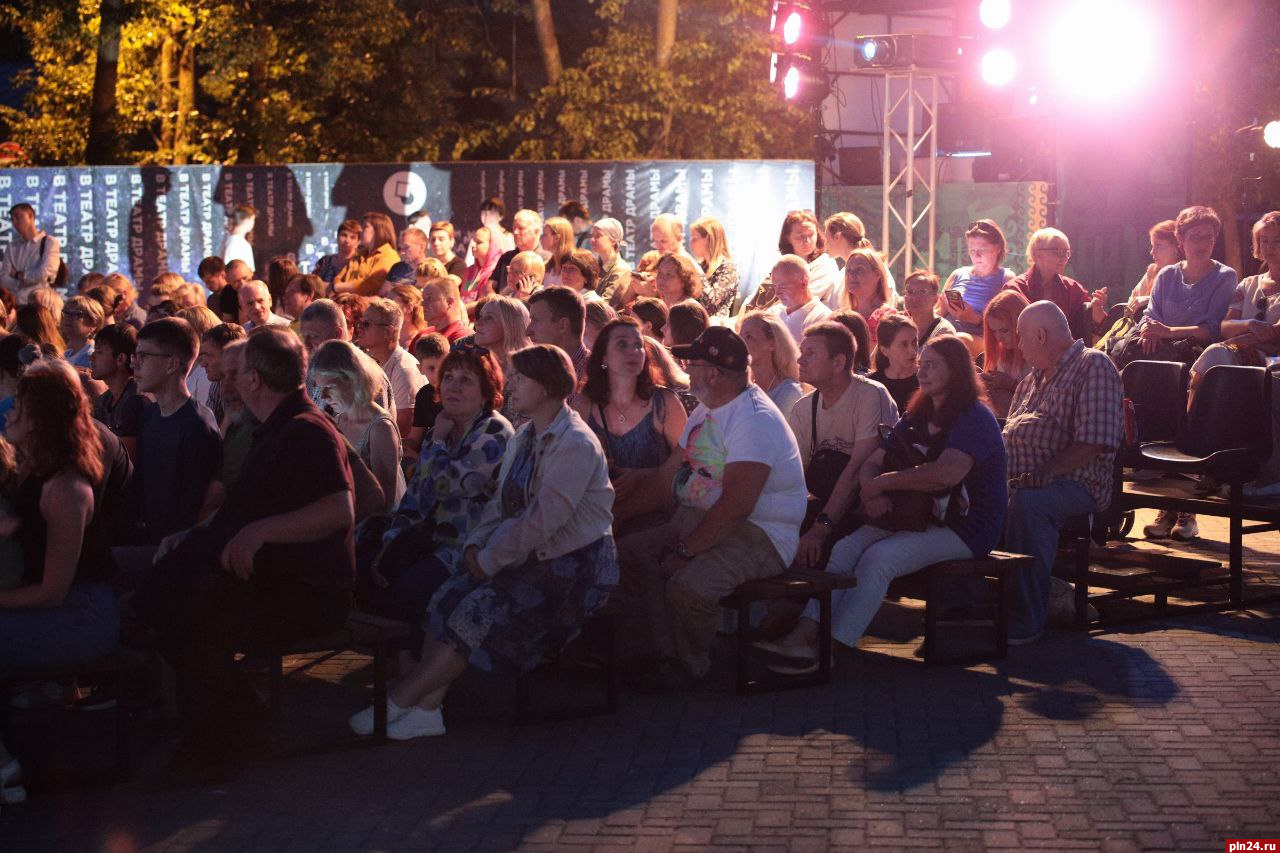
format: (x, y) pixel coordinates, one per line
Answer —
(969, 289)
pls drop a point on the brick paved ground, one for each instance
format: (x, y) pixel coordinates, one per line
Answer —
(1163, 736)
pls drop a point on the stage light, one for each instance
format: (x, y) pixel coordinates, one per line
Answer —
(1271, 134)
(791, 83)
(791, 28)
(998, 67)
(994, 14)
(870, 48)
(1103, 49)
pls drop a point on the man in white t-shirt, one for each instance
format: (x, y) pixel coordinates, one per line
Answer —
(797, 307)
(835, 426)
(740, 490)
(378, 334)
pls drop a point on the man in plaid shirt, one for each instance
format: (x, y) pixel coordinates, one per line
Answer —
(1062, 434)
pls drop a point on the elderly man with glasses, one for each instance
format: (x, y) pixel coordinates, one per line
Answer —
(378, 334)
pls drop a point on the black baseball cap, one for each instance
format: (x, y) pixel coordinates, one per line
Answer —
(717, 345)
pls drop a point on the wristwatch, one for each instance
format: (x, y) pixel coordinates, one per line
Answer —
(682, 552)
(824, 520)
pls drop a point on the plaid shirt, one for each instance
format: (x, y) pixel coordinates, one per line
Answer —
(1082, 403)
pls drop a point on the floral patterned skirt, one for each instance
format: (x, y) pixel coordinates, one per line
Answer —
(510, 622)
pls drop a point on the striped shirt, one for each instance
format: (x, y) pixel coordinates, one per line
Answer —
(1080, 403)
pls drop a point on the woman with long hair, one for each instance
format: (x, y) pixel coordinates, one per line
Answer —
(896, 358)
(415, 324)
(968, 290)
(377, 255)
(502, 327)
(540, 561)
(774, 358)
(349, 381)
(280, 269)
(802, 235)
(845, 232)
(486, 251)
(637, 421)
(38, 323)
(1003, 365)
(64, 610)
(710, 248)
(866, 287)
(558, 239)
(964, 458)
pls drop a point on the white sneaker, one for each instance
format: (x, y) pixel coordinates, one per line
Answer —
(361, 722)
(1161, 527)
(417, 722)
(1185, 529)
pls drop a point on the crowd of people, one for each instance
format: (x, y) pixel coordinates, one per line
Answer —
(494, 439)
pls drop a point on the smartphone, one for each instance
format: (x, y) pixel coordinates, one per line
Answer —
(955, 298)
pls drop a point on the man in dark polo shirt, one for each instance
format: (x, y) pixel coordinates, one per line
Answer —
(274, 564)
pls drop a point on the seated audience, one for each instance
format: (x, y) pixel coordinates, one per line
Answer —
(540, 561)
(127, 308)
(38, 323)
(965, 457)
(773, 359)
(378, 334)
(492, 210)
(685, 322)
(178, 440)
(740, 497)
(442, 307)
(413, 250)
(607, 240)
(1048, 253)
(82, 317)
(1062, 436)
(441, 249)
(525, 233)
(581, 273)
(201, 319)
(710, 248)
(62, 610)
(213, 274)
(1003, 363)
(430, 351)
(255, 307)
(279, 271)
(857, 327)
(638, 423)
(525, 274)
(896, 357)
(676, 278)
(969, 289)
(348, 243)
(456, 476)
(486, 251)
(652, 315)
(802, 236)
(599, 315)
(1164, 252)
(919, 300)
(415, 325)
(275, 564)
(120, 406)
(212, 343)
(238, 423)
(844, 232)
(502, 327)
(797, 307)
(557, 242)
(835, 426)
(299, 292)
(579, 218)
(366, 273)
(866, 287)
(348, 381)
(556, 317)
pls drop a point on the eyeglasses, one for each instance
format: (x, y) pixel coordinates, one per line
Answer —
(364, 324)
(918, 293)
(140, 356)
(75, 315)
(1057, 251)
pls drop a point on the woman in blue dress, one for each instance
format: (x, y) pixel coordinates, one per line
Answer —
(969, 289)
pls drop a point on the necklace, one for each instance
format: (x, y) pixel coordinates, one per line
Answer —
(622, 414)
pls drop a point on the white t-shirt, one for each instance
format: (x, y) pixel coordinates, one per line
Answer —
(237, 248)
(863, 406)
(802, 318)
(405, 378)
(749, 428)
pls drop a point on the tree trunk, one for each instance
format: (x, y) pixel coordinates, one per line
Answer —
(168, 54)
(186, 98)
(547, 43)
(101, 146)
(256, 86)
(668, 10)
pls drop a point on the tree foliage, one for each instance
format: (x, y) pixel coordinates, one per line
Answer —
(389, 80)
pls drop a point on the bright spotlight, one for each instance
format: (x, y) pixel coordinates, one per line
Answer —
(791, 28)
(1271, 134)
(998, 67)
(870, 48)
(1102, 49)
(791, 83)
(994, 14)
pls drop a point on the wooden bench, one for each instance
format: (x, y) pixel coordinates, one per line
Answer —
(997, 566)
(794, 584)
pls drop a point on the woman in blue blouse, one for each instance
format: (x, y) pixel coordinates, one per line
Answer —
(403, 557)
(968, 290)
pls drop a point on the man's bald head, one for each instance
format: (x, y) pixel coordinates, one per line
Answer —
(1043, 333)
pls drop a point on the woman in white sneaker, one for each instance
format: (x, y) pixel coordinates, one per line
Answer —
(539, 563)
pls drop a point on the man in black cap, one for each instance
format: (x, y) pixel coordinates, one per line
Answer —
(741, 497)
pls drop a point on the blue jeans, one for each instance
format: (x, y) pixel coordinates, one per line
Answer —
(876, 557)
(1031, 527)
(85, 626)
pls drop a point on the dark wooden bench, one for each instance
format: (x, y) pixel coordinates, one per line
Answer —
(794, 584)
(114, 668)
(996, 566)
